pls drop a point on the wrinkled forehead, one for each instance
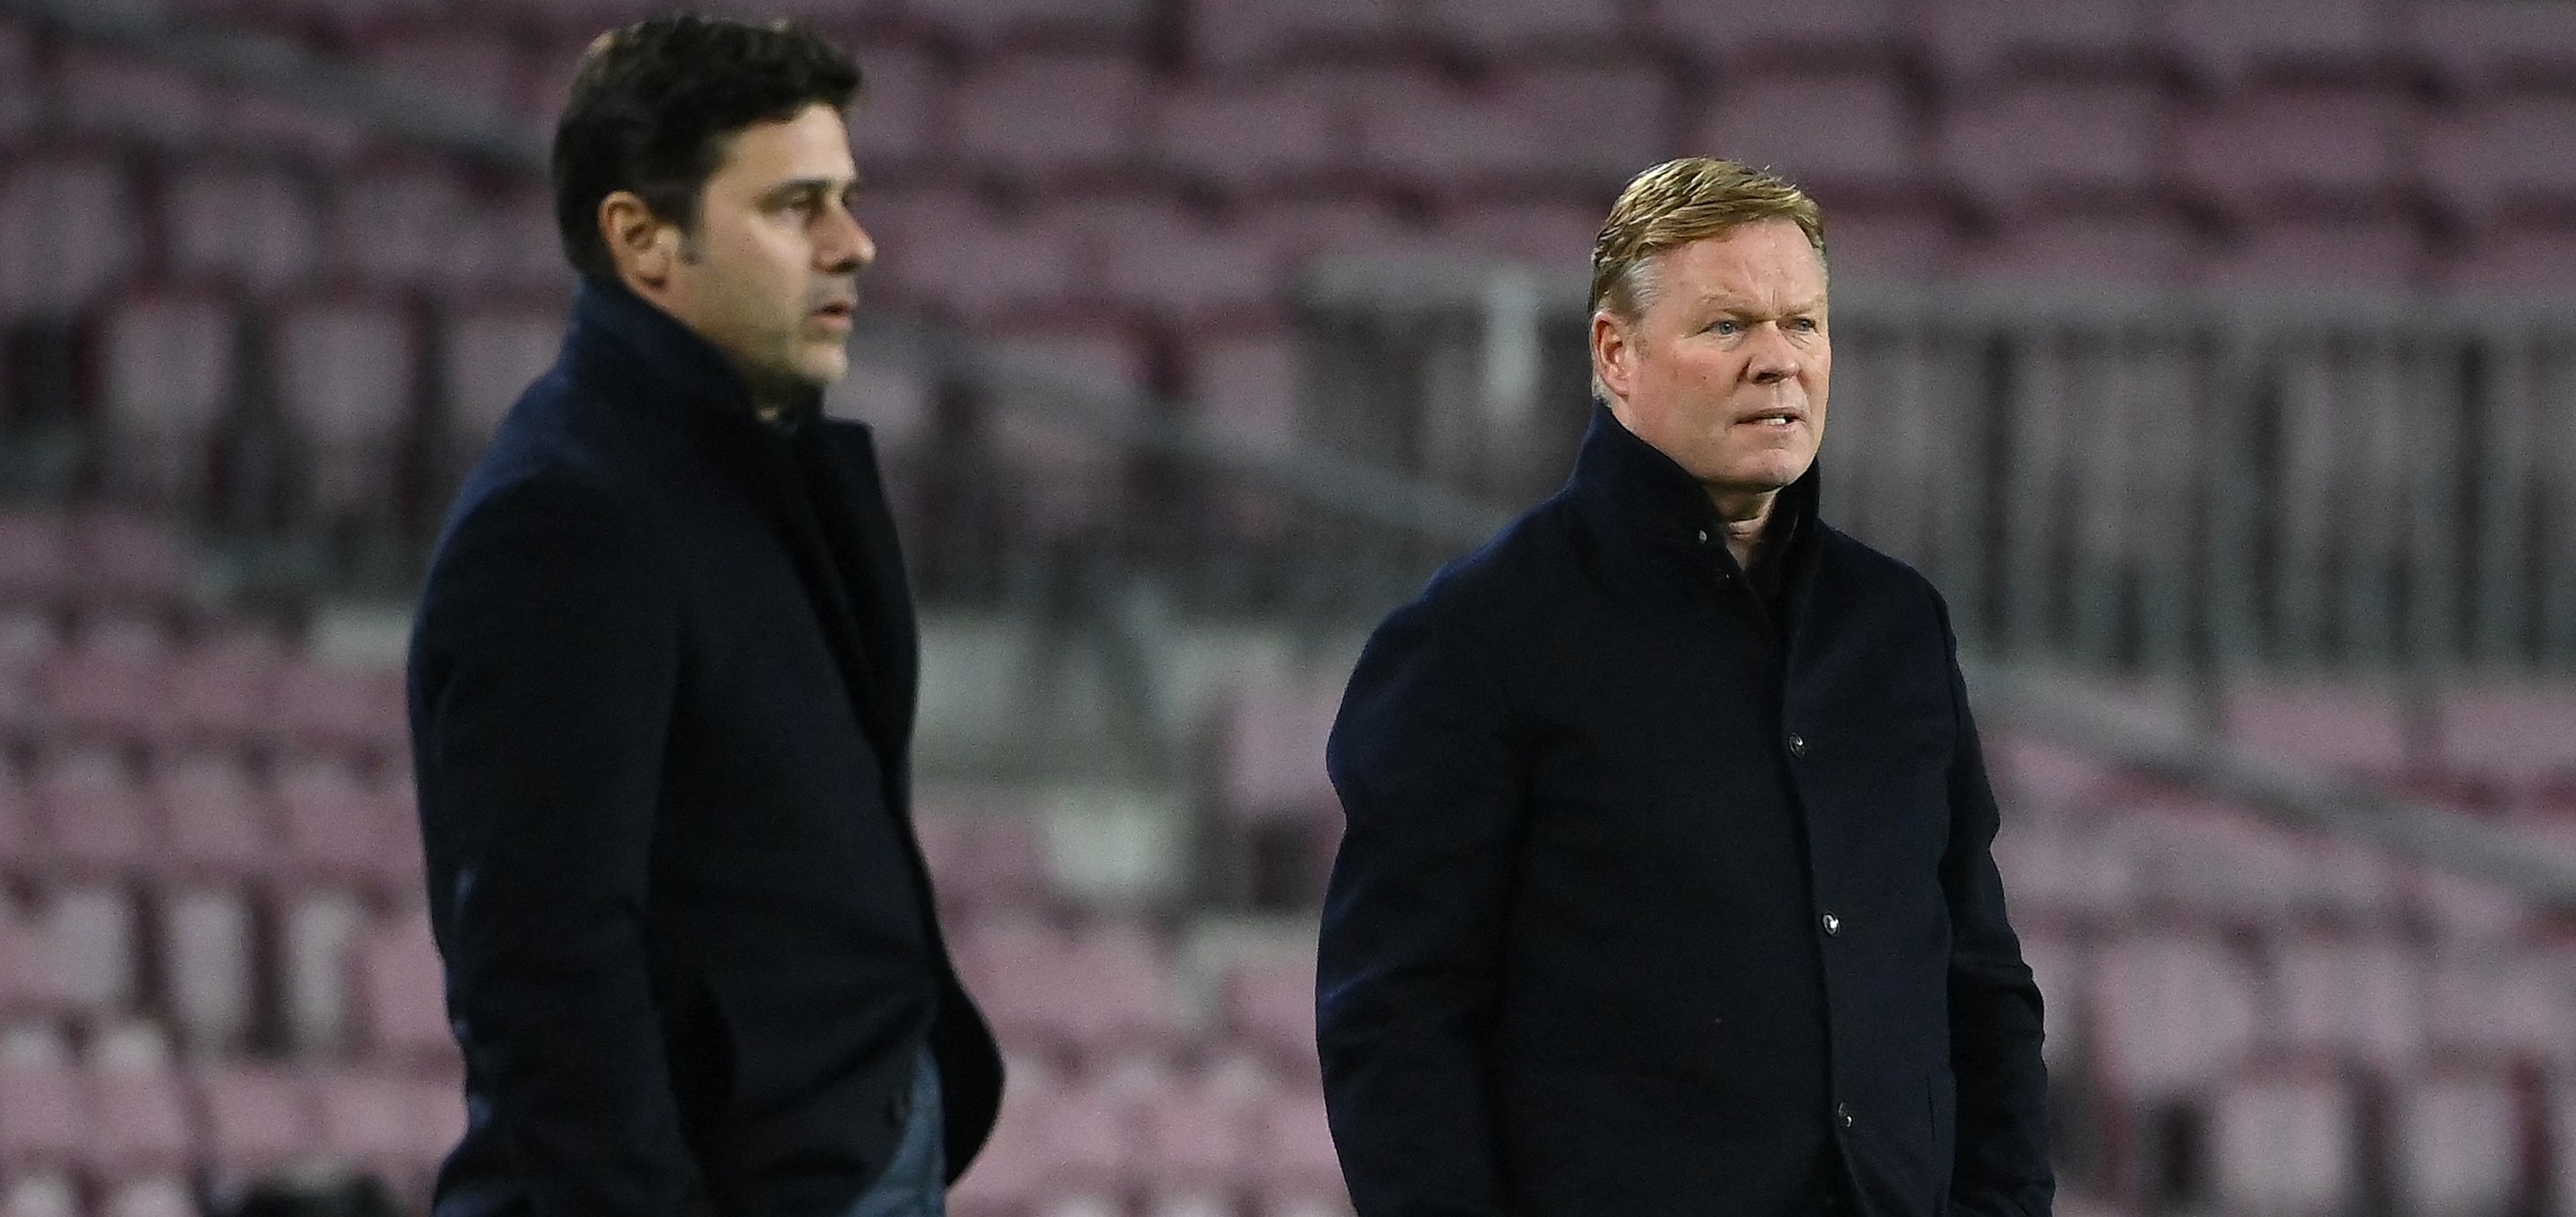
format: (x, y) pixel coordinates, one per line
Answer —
(1766, 266)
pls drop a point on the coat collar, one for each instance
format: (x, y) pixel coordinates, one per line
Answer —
(663, 367)
(1640, 492)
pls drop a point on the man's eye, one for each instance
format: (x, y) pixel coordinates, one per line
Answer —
(1723, 328)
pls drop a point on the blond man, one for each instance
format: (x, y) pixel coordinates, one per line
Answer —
(1667, 886)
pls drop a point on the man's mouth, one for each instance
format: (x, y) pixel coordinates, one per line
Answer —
(1774, 418)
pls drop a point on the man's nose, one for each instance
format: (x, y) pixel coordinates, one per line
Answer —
(1772, 359)
(848, 248)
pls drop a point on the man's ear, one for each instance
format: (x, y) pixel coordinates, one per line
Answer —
(643, 245)
(1614, 353)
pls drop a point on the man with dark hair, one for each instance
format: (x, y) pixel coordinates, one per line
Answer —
(662, 688)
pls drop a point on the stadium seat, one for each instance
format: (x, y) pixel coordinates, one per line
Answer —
(1736, 32)
(2131, 242)
(1247, 383)
(321, 927)
(1049, 116)
(467, 62)
(2358, 1002)
(899, 407)
(490, 356)
(346, 378)
(167, 373)
(38, 565)
(946, 249)
(134, 564)
(1501, 29)
(108, 98)
(1973, 41)
(2226, 41)
(987, 24)
(1180, 266)
(218, 819)
(401, 994)
(398, 225)
(2493, 1006)
(354, 711)
(2173, 1014)
(2521, 740)
(1191, 1144)
(209, 964)
(254, 228)
(96, 818)
(1268, 1004)
(2346, 728)
(45, 1121)
(398, 1126)
(68, 234)
(96, 699)
(2484, 44)
(255, 1117)
(2492, 156)
(2319, 144)
(2035, 138)
(2528, 257)
(1274, 131)
(2284, 1146)
(87, 941)
(40, 1194)
(139, 1120)
(216, 696)
(1571, 127)
(2458, 1138)
(1835, 132)
(343, 831)
(152, 1196)
(507, 246)
(1249, 34)
(1295, 1163)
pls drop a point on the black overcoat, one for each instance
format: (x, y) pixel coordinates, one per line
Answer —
(662, 688)
(1650, 901)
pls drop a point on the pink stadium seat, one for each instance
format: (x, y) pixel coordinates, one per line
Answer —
(67, 235)
(1051, 114)
(902, 107)
(2312, 142)
(321, 928)
(37, 562)
(398, 1125)
(490, 357)
(217, 696)
(2491, 155)
(1247, 383)
(218, 819)
(2480, 44)
(328, 708)
(31, 986)
(2035, 137)
(2493, 1007)
(96, 817)
(18, 823)
(1537, 27)
(133, 562)
(101, 698)
(258, 123)
(1740, 31)
(401, 994)
(2458, 1141)
(40, 1194)
(2172, 1014)
(2110, 242)
(466, 62)
(1293, 1153)
(346, 373)
(86, 945)
(398, 225)
(209, 964)
(256, 1117)
(2521, 739)
(899, 407)
(44, 1116)
(250, 227)
(2284, 1145)
(2059, 965)
(1834, 132)
(1549, 233)
(1191, 1143)
(997, 21)
(153, 1196)
(2226, 41)
(1972, 40)
(341, 830)
(1273, 751)
(2348, 728)
(1573, 125)
(946, 248)
(139, 1120)
(1246, 33)
(109, 97)
(1271, 130)
(2534, 258)
(2352, 1001)
(2329, 248)
(1179, 265)
(507, 246)
(1269, 1005)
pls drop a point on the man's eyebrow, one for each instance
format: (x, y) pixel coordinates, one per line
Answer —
(809, 185)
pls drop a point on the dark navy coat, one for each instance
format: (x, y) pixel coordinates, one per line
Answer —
(1650, 904)
(662, 687)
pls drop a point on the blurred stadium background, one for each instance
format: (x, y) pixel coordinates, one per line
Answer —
(2218, 358)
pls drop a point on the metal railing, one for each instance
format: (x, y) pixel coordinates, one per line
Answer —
(2124, 482)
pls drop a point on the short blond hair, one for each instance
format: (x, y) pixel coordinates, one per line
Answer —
(1681, 201)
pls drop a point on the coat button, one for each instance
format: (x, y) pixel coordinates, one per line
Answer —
(1797, 744)
(1703, 536)
(1842, 1114)
(1833, 924)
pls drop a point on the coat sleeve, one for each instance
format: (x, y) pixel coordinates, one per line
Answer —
(543, 668)
(1995, 1026)
(1413, 922)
